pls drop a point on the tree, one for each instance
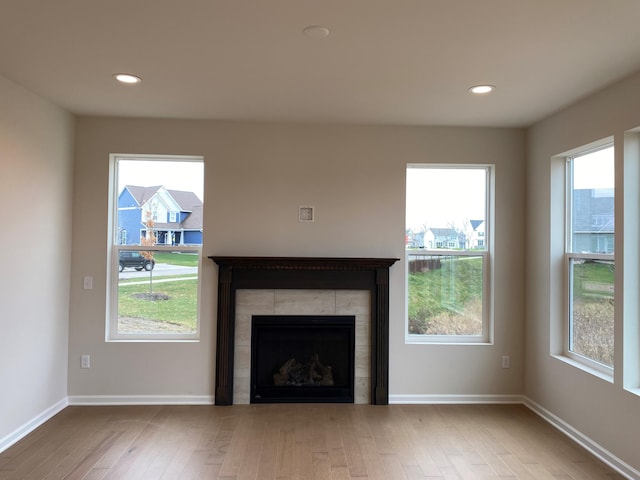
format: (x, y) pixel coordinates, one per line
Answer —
(149, 240)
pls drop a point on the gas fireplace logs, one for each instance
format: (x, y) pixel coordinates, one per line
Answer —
(294, 373)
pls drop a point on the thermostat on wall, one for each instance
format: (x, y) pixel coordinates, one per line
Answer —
(305, 214)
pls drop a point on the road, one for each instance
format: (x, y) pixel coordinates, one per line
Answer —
(161, 269)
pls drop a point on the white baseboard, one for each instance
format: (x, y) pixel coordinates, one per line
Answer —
(141, 400)
(454, 399)
(607, 457)
(32, 424)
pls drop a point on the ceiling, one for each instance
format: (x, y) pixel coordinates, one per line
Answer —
(406, 62)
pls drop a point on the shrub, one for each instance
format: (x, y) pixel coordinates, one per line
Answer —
(593, 330)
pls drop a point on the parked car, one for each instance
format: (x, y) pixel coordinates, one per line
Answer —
(135, 260)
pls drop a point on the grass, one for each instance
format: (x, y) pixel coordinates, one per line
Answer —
(174, 258)
(180, 308)
(593, 309)
(156, 278)
(593, 330)
(593, 279)
(182, 291)
(448, 301)
(443, 301)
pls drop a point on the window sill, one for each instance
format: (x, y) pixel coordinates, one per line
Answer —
(585, 368)
(152, 340)
(443, 340)
(633, 391)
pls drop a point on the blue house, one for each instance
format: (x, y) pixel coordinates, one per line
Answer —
(176, 214)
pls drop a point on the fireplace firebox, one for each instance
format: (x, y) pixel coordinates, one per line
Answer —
(302, 358)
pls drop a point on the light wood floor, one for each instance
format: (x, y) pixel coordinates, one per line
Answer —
(299, 441)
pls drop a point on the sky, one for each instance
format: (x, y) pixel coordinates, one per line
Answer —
(175, 175)
(436, 197)
(440, 197)
(594, 170)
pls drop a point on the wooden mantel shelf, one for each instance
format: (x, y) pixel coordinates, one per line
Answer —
(303, 273)
(303, 263)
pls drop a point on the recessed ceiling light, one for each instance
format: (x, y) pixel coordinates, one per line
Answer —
(482, 89)
(127, 78)
(316, 31)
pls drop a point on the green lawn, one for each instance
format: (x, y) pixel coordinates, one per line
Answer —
(179, 308)
(593, 279)
(593, 310)
(174, 301)
(453, 290)
(182, 259)
(445, 301)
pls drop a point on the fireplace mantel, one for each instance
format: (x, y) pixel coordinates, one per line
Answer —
(303, 273)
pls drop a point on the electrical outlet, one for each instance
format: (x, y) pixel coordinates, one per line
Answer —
(506, 361)
(87, 283)
(85, 361)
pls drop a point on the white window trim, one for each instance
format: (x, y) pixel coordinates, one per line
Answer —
(488, 255)
(579, 361)
(629, 256)
(111, 320)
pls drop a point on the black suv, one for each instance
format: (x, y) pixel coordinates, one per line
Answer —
(135, 260)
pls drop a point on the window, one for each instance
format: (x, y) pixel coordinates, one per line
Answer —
(448, 288)
(154, 266)
(590, 262)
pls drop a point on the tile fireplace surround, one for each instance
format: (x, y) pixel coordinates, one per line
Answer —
(302, 285)
(300, 302)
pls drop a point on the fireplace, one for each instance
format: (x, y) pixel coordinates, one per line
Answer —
(302, 358)
(303, 273)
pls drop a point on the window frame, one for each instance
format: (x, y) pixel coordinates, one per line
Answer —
(487, 254)
(114, 249)
(570, 257)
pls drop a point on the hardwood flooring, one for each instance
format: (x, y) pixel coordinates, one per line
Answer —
(299, 441)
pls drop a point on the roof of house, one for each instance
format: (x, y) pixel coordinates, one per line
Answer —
(142, 194)
(444, 232)
(475, 223)
(187, 201)
(194, 221)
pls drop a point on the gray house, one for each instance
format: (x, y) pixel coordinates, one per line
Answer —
(593, 220)
(443, 238)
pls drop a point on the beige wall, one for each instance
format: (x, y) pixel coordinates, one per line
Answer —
(256, 176)
(36, 141)
(599, 409)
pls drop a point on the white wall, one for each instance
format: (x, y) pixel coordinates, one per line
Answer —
(36, 141)
(256, 176)
(599, 409)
